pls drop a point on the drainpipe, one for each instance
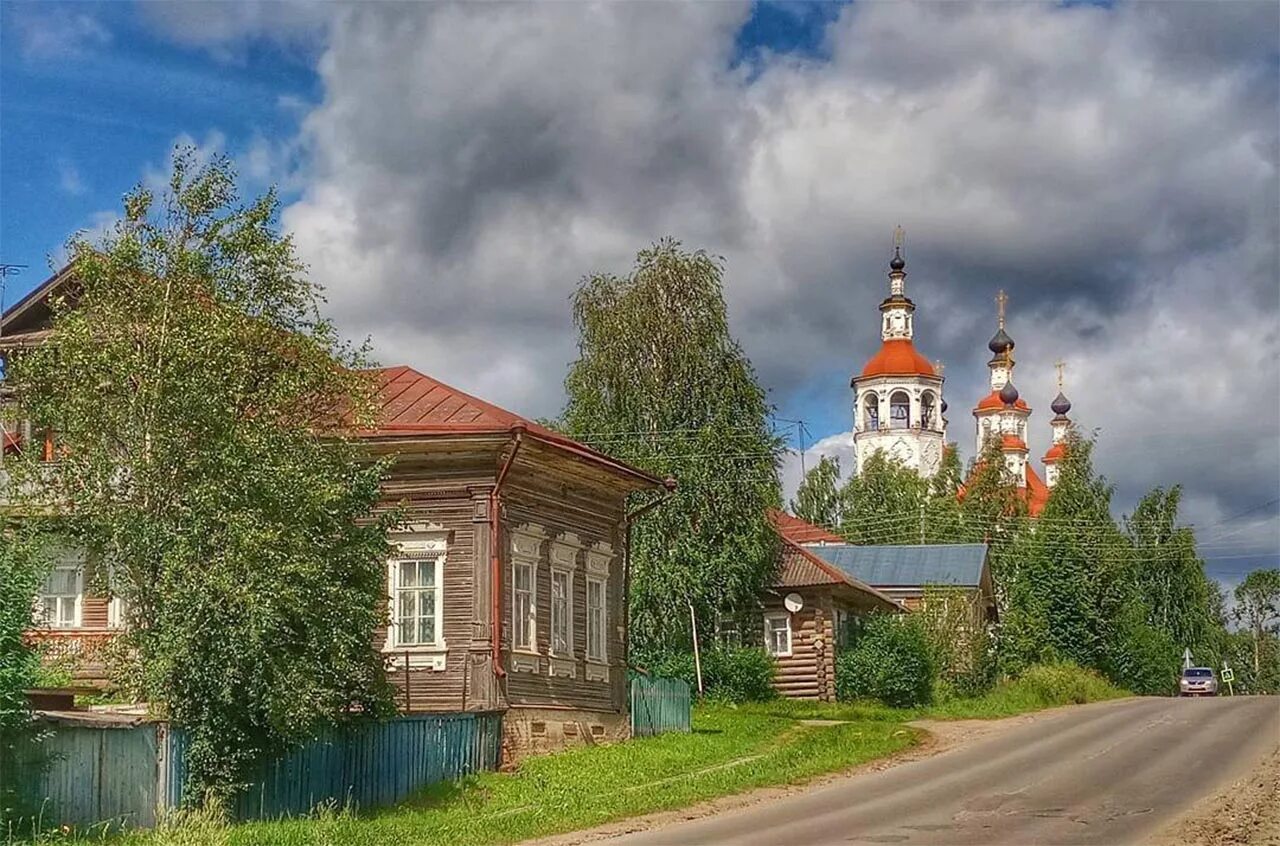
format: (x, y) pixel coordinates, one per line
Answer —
(670, 484)
(495, 549)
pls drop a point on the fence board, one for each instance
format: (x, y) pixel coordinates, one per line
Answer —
(659, 706)
(97, 774)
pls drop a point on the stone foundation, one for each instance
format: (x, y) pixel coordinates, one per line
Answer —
(532, 731)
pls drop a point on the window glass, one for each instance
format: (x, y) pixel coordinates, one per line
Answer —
(777, 634)
(595, 619)
(523, 607)
(560, 613)
(59, 596)
(417, 602)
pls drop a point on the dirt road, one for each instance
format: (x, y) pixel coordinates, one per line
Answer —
(1110, 773)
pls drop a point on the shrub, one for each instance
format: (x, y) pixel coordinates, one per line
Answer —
(729, 674)
(1065, 684)
(891, 662)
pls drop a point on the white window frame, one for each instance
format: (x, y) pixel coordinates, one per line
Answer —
(768, 633)
(423, 547)
(566, 613)
(526, 554)
(48, 618)
(600, 656)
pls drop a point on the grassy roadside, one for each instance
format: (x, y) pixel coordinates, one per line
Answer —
(732, 749)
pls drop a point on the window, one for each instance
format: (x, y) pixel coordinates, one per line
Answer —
(899, 410)
(416, 601)
(841, 624)
(926, 410)
(561, 613)
(59, 600)
(777, 634)
(871, 404)
(596, 618)
(522, 604)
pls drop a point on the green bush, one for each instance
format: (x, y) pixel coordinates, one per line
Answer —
(891, 662)
(740, 674)
(1064, 684)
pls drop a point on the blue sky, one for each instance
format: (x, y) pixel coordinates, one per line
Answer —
(1105, 165)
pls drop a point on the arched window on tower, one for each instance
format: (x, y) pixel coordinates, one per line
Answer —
(928, 413)
(899, 410)
(986, 429)
(871, 408)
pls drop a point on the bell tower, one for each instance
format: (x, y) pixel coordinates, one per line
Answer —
(898, 406)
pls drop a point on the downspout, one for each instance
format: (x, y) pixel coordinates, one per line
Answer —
(495, 550)
(627, 521)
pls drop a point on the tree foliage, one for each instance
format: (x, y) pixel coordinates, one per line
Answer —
(1258, 610)
(660, 382)
(23, 564)
(818, 497)
(194, 390)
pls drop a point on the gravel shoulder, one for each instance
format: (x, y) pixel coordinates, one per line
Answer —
(1247, 812)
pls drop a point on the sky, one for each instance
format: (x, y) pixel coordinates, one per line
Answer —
(451, 172)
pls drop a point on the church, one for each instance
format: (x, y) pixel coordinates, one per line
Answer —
(899, 409)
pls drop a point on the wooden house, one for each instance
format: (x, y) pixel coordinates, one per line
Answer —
(507, 591)
(833, 581)
(808, 609)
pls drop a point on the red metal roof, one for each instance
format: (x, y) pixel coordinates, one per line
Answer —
(799, 531)
(801, 568)
(898, 357)
(1036, 492)
(1056, 453)
(412, 404)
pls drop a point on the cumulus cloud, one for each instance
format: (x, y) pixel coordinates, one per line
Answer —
(1114, 169)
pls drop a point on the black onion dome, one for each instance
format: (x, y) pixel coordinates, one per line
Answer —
(1008, 394)
(1000, 342)
(944, 406)
(897, 262)
(1060, 404)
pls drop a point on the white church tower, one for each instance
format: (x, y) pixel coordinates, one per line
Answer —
(1061, 426)
(898, 406)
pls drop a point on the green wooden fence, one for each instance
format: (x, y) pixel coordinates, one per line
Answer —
(124, 775)
(659, 706)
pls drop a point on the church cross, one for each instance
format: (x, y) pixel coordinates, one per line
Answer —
(1001, 300)
(1059, 364)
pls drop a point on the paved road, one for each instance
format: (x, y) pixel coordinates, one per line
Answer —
(1110, 773)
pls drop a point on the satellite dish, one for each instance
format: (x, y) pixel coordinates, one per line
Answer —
(793, 602)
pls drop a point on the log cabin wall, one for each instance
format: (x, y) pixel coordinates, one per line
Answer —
(447, 494)
(579, 519)
(809, 671)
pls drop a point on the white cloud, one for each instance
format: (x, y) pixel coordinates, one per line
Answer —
(57, 31)
(69, 180)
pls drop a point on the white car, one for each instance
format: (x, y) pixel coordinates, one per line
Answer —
(1198, 681)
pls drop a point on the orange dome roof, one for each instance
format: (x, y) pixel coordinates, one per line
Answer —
(898, 357)
(1012, 442)
(1057, 452)
(992, 400)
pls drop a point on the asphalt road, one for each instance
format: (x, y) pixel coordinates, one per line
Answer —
(1109, 773)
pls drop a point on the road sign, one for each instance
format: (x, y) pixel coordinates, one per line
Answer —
(1228, 674)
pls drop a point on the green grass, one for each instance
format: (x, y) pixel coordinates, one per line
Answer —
(732, 749)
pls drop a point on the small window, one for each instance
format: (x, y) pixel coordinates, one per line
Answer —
(927, 410)
(561, 613)
(596, 619)
(871, 406)
(59, 600)
(417, 601)
(777, 634)
(523, 607)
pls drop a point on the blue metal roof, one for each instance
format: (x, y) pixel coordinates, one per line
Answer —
(907, 566)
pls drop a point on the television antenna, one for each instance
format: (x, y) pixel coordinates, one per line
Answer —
(7, 270)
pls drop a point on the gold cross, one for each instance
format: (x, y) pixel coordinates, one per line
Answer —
(899, 236)
(1060, 364)
(1001, 300)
